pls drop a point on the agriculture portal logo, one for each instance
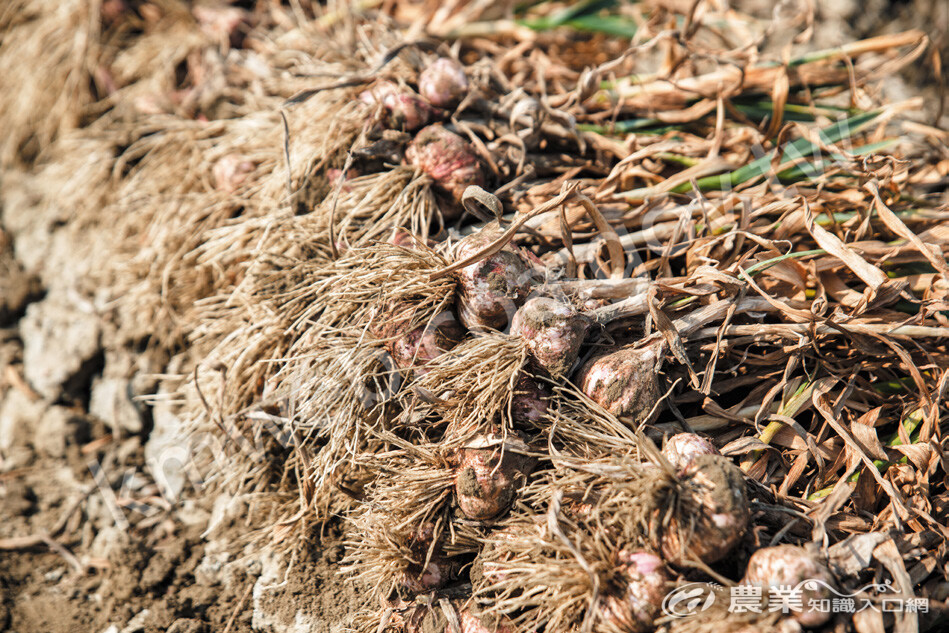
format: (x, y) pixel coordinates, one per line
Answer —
(808, 596)
(689, 599)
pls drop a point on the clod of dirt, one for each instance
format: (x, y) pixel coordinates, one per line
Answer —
(60, 346)
(188, 625)
(17, 498)
(277, 607)
(58, 428)
(18, 414)
(111, 402)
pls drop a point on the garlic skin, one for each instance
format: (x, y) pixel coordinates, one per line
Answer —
(231, 171)
(712, 514)
(682, 448)
(553, 330)
(529, 400)
(646, 583)
(444, 83)
(624, 382)
(447, 158)
(406, 110)
(789, 565)
(488, 478)
(439, 570)
(221, 24)
(415, 349)
(491, 290)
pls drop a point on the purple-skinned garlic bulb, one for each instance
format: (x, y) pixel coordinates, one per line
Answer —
(488, 475)
(416, 348)
(443, 83)
(682, 448)
(406, 111)
(644, 581)
(529, 402)
(554, 332)
(491, 290)
(624, 382)
(436, 573)
(448, 159)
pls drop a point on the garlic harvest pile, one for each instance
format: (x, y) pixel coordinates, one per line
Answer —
(474, 387)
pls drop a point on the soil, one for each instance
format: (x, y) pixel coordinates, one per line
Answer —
(159, 574)
(88, 540)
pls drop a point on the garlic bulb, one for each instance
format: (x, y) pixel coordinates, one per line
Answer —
(554, 332)
(439, 570)
(447, 158)
(529, 400)
(491, 290)
(406, 110)
(645, 580)
(624, 381)
(418, 347)
(489, 474)
(444, 83)
(791, 566)
(231, 171)
(682, 449)
(711, 514)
